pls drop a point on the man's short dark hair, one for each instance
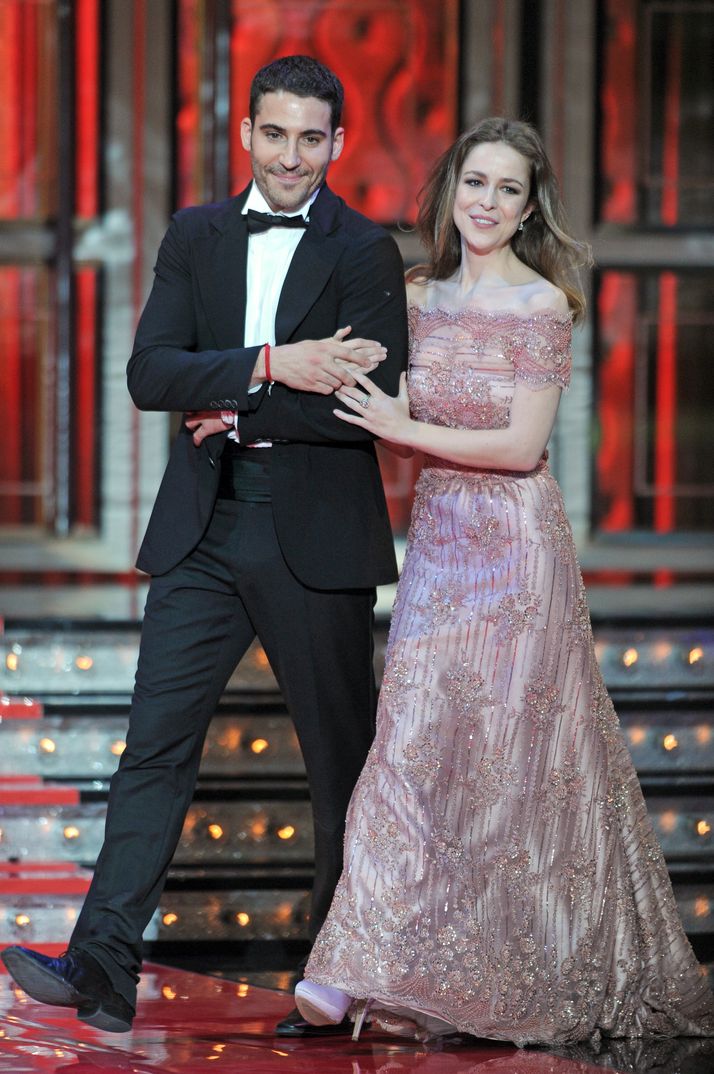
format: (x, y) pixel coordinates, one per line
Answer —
(303, 76)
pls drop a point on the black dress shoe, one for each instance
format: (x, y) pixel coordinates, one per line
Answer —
(294, 1025)
(73, 980)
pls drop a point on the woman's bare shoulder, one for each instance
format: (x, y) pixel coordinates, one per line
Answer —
(546, 296)
(417, 291)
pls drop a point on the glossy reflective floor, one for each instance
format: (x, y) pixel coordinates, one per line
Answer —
(189, 1023)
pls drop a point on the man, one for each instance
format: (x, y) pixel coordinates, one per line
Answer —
(278, 528)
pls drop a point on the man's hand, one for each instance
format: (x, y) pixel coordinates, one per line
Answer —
(321, 365)
(205, 423)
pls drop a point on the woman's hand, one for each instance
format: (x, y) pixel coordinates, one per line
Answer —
(387, 416)
(203, 423)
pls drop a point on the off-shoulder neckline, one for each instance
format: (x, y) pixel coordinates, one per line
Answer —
(546, 311)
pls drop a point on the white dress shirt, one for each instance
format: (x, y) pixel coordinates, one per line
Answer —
(269, 256)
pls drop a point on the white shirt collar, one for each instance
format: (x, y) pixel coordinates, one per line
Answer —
(257, 202)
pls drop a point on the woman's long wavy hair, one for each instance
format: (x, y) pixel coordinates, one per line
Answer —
(544, 244)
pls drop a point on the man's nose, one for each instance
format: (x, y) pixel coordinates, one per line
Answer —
(289, 157)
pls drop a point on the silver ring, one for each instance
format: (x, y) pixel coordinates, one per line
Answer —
(364, 402)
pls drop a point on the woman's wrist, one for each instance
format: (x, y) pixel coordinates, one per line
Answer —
(409, 436)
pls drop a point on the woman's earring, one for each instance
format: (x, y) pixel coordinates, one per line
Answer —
(520, 226)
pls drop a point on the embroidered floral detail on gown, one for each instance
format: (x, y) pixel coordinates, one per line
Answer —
(501, 873)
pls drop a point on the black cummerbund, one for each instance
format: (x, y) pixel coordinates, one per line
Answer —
(245, 473)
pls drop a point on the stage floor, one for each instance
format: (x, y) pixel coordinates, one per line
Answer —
(189, 1023)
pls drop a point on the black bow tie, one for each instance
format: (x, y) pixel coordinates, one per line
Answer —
(258, 222)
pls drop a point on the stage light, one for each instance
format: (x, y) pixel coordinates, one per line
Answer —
(259, 744)
(695, 655)
(84, 663)
(704, 828)
(637, 735)
(47, 745)
(703, 734)
(12, 661)
(670, 742)
(258, 828)
(71, 832)
(630, 657)
(287, 832)
(169, 919)
(215, 831)
(118, 747)
(231, 739)
(242, 919)
(702, 906)
(22, 920)
(668, 821)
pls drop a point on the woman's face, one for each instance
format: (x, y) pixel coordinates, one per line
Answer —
(492, 196)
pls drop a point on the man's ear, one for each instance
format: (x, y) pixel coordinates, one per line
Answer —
(338, 142)
(246, 130)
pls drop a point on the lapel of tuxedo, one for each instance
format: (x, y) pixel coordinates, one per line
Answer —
(221, 259)
(311, 266)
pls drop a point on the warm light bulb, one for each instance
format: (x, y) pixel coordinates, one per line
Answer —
(630, 657)
(22, 921)
(702, 906)
(215, 831)
(695, 654)
(703, 827)
(118, 747)
(243, 919)
(47, 745)
(258, 828)
(668, 821)
(670, 742)
(261, 659)
(169, 919)
(637, 735)
(84, 663)
(70, 832)
(242, 990)
(167, 992)
(12, 661)
(287, 832)
(258, 745)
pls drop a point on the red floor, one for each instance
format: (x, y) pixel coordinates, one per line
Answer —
(191, 1024)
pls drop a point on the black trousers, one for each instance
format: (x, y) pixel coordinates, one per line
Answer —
(199, 620)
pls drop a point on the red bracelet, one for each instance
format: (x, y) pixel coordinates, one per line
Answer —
(267, 362)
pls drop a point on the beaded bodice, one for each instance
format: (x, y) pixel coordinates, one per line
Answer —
(464, 364)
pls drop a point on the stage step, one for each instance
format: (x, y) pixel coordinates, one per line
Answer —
(243, 866)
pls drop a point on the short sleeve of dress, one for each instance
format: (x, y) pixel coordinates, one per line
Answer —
(542, 352)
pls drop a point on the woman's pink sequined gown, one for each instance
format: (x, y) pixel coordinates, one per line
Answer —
(501, 872)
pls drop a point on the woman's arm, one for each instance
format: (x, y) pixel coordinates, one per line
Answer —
(518, 447)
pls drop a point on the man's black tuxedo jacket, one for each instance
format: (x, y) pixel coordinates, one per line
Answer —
(328, 502)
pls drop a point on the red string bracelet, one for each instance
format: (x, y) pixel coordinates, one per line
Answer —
(267, 362)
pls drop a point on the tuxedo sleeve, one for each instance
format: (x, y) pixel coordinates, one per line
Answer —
(370, 283)
(166, 371)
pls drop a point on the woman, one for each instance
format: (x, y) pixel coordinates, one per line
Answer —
(501, 875)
